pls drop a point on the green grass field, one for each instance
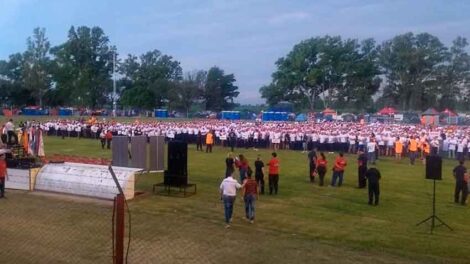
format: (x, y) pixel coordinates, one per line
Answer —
(305, 223)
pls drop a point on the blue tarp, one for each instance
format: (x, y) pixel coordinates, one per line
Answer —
(65, 112)
(34, 112)
(301, 118)
(230, 115)
(275, 116)
(161, 113)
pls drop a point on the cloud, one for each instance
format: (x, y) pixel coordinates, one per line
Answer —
(288, 17)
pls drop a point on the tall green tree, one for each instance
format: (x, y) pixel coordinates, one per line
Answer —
(12, 89)
(341, 71)
(220, 90)
(154, 74)
(412, 64)
(454, 78)
(37, 65)
(83, 67)
(190, 89)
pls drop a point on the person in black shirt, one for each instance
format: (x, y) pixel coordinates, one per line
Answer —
(361, 169)
(199, 141)
(259, 173)
(312, 161)
(373, 177)
(232, 138)
(460, 183)
(230, 165)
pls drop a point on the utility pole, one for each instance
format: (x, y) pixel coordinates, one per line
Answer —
(114, 83)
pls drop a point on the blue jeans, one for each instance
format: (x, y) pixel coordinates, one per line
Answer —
(242, 175)
(337, 175)
(228, 207)
(250, 206)
(371, 157)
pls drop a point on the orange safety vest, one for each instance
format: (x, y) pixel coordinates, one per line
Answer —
(209, 139)
(398, 147)
(413, 145)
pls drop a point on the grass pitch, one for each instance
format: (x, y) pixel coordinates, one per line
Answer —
(305, 223)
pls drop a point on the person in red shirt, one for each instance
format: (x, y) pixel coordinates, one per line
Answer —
(321, 167)
(109, 138)
(273, 174)
(250, 190)
(338, 170)
(3, 172)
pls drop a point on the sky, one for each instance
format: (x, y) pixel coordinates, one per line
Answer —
(243, 37)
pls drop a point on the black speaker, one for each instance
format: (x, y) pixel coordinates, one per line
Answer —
(177, 173)
(433, 168)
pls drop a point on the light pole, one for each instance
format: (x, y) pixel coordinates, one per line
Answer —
(114, 83)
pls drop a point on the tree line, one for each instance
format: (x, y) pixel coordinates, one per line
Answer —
(409, 71)
(79, 72)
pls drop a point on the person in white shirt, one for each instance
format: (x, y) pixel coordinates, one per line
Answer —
(228, 193)
(371, 146)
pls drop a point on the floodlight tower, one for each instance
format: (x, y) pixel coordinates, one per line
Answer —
(114, 83)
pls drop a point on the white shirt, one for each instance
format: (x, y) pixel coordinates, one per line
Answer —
(229, 186)
(371, 147)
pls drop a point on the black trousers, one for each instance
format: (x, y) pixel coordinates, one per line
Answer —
(199, 146)
(361, 176)
(209, 148)
(321, 174)
(103, 143)
(374, 192)
(273, 183)
(312, 169)
(461, 187)
(2, 187)
(260, 181)
(108, 143)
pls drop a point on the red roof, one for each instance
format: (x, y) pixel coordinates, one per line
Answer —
(387, 111)
(329, 111)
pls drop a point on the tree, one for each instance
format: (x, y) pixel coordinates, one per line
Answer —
(220, 90)
(153, 73)
(342, 71)
(412, 64)
(191, 89)
(83, 67)
(12, 86)
(36, 69)
(454, 79)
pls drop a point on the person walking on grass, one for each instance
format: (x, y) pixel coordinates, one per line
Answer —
(209, 142)
(228, 193)
(273, 174)
(259, 174)
(312, 163)
(250, 195)
(321, 167)
(361, 169)
(373, 177)
(229, 164)
(242, 164)
(461, 183)
(338, 170)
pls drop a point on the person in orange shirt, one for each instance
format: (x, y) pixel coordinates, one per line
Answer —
(413, 149)
(209, 141)
(426, 148)
(398, 149)
(3, 172)
(338, 170)
(273, 174)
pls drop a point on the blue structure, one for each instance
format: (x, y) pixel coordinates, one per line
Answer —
(65, 112)
(275, 116)
(230, 115)
(161, 113)
(32, 111)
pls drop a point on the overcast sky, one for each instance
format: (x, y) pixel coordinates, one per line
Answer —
(243, 37)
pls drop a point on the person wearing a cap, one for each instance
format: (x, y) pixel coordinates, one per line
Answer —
(3, 171)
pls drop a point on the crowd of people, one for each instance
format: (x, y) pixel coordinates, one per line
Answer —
(368, 141)
(385, 139)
